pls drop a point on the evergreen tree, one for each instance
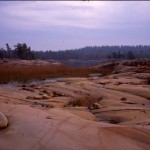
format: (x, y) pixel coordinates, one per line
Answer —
(130, 55)
(1, 53)
(23, 51)
(9, 51)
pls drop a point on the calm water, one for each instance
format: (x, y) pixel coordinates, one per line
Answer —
(83, 63)
(10, 84)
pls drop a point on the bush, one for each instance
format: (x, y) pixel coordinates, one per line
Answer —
(85, 100)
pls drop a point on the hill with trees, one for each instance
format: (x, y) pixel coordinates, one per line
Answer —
(97, 52)
(22, 51)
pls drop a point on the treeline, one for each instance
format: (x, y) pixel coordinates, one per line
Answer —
(97, 52)
(22, 51)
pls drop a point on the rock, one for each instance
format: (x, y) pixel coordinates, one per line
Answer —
(123, 99)
(3, 121)
(58, 94)
(31, 90)
(38, 87)
(44, 91)
(49, 117)
(49, 93)
(24, 85)
(114, 77)
(28, 89)
(91, 107)
(29, 97)
(116, 83)
(41, 93)
(33, 85)
(97, 106)
(103, 83)
(129, 102)
(100, 98)
(38, 97)
(47, 105)
(45, 96)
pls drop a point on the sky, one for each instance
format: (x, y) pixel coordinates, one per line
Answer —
(60, 25)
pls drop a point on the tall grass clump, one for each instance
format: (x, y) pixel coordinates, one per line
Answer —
(85, 100)
(10, 73)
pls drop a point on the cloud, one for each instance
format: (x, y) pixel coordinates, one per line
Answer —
(34, 15)
(64, 24)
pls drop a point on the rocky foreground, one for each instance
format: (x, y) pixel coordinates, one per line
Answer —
(48, 115)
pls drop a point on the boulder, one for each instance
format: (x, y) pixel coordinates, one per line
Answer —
(41, 93)
(28, 89)
(33, 85)
(29, 97)
(97, 106)
(58, 93)
(123, 99)
(38, 87)
(38, 97)
(45, 96)
(24, 85)
(49, 93)
(3, 121)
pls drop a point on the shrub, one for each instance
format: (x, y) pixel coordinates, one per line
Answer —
(85, 100)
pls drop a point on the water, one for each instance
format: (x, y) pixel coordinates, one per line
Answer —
(44, 81)
(83, 63)
(11, 84)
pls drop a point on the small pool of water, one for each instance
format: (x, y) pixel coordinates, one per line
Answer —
(110, 121)
(11, 84)
(45, 81)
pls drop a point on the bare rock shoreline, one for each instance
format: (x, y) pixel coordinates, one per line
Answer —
(49, 115)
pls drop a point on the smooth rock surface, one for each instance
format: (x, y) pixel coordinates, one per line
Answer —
(58, 129)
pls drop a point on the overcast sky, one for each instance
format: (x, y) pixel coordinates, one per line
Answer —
(59, 25)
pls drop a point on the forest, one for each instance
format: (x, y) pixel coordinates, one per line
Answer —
(22, 51)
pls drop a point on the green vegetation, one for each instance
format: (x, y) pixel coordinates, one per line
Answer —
(22, 51)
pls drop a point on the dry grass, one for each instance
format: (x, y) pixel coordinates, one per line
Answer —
(85, 100)
(28, 73)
